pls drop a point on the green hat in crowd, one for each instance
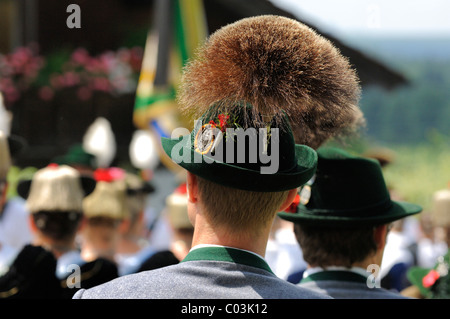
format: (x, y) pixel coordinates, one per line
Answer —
(224, 148)
(432, 283)
(76, 155)
(347, 191)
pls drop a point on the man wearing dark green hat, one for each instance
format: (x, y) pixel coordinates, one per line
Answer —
(250, 81)
(341, 224)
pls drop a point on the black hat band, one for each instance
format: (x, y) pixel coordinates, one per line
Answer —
(368, 211)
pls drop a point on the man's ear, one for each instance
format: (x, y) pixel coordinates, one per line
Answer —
(380, 236)
(289, 199)
(32, 224)
(192, 187)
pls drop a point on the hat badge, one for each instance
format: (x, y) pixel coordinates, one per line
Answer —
(210, 134)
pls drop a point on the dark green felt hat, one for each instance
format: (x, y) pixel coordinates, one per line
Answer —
(76, 155)
(226, 149)
(347, 191)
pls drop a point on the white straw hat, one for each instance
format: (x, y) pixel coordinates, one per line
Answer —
(107, 200)
(55, 188)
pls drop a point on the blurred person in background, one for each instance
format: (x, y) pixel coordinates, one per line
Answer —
(54, 199)
(181, 231)
(397, 258)
(134, 246)
(342, 226)
(104, 211)
(14, 229)
(435, 227)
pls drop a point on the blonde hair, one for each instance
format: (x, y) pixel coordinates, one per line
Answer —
(239, 209)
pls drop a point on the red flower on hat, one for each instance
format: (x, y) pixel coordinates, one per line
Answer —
(102, 175)
(223, 121)
(293, 207)
(430, 278)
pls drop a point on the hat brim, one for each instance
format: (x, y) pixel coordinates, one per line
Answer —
(238, 177)
(305, 216)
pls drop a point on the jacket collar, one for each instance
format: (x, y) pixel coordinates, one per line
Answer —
(336, 275)
(222, 253)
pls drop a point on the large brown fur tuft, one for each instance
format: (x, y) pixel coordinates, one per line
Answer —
(276, 64)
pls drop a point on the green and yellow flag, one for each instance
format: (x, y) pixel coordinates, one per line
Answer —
(179, 27)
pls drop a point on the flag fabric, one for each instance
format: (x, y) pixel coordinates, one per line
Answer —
(179, 27)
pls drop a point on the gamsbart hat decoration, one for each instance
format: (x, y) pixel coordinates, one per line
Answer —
(275, 63)
(348, 191)
(279, 83)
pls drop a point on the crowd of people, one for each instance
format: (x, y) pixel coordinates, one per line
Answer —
(324, 225)
(75, 225)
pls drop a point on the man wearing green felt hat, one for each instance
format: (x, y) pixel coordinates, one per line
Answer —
(257, 87)
(341, 223)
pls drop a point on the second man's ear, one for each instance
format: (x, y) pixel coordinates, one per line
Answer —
(192, 187)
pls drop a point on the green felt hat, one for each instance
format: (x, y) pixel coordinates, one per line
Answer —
(347, 191)
(76, 155)
(226, 149)
(432, 282)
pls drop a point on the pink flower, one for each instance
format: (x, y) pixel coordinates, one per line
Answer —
(116, 173)
(80, 56)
